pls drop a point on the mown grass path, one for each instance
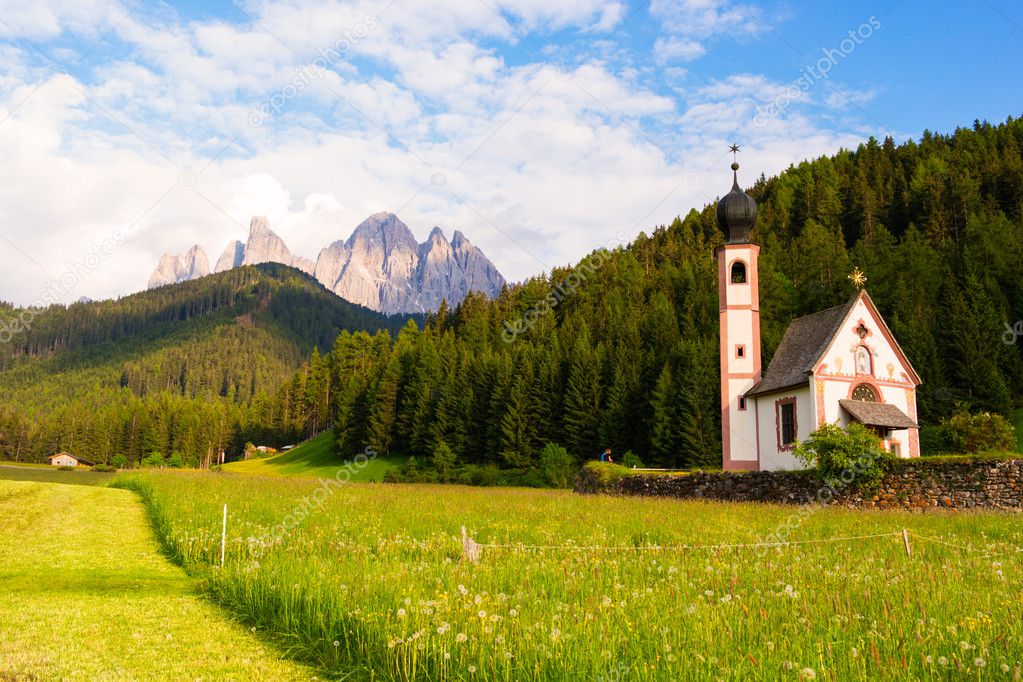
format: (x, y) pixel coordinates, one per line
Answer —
(86, 594)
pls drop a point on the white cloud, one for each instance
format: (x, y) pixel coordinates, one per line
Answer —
(680, 49)
(705, 18)
(538, 161)
(690, 24)
(842, 98)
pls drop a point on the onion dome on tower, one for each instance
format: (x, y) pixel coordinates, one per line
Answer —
(737, 212)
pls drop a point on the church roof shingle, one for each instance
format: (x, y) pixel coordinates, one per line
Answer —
(804, 342)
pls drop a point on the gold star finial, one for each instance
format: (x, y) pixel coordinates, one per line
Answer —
(858, 278)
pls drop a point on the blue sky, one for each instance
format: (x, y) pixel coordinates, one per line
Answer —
(540, 128)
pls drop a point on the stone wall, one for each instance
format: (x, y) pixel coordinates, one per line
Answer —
(916, 485)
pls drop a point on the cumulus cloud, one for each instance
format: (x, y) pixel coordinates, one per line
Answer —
(706, 18)
(690, 24)
(173, 132)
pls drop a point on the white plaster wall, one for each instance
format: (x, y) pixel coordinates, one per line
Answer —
(743, 424)
(738, 294)
(840, 357)
(771, 458)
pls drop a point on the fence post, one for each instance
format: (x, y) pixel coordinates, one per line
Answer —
(223, 537)
(470, 550)
(905, 539)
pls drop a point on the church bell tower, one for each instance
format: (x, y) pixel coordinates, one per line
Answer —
(739, 312)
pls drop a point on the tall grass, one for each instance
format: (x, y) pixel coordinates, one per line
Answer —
(370, 583)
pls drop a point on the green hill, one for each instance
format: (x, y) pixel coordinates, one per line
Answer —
(316, 458)
(183, 371)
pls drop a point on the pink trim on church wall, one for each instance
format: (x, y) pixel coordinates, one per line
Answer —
(914, 434)
(726, 451)
(863, 378)
(818, 389)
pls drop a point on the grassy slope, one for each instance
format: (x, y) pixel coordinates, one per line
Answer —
(312, 458)
(86, 594)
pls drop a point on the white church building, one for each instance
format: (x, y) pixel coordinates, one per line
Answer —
(836, 366)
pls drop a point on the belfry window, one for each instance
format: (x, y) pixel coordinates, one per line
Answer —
(738, 272)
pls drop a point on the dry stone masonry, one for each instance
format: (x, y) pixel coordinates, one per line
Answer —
(915, 485)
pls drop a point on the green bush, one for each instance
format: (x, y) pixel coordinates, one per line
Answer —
(966, 433)
(557, 465)
(153, 459)
(106, 468)
(487, 475)
(444, 458)
(119, 461)
(630, 460)
(65, 468)
(842, 457)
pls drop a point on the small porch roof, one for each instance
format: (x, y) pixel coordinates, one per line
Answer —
(878, 414)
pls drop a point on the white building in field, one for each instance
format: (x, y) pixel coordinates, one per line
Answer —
(66, 459)
(835, 366)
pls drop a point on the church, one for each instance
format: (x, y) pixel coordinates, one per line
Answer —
(837, 366)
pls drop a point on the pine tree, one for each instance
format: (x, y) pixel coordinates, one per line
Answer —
(582, 398)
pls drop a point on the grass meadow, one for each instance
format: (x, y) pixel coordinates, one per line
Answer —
(86, 595)
(45, 473)
(367, 581)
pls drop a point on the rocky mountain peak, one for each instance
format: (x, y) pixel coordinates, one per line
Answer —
(259, 226)
(232, 257)
(174, 268)
(380, 266)
(384, 230)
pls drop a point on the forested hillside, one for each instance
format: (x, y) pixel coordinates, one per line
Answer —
(182, 371)
(620, 351)
(623, 350)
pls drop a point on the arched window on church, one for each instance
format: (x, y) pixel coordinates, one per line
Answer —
(864, 363)
(738, 272)
(864, 393)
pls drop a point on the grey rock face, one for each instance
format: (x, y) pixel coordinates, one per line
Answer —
(177, 268)
(480, 274)
(232, 257)
(264, 246)
(380, 266)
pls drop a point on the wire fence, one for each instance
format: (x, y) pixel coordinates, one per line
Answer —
(472, 551)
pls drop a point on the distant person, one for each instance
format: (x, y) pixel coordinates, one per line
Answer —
(606, 456)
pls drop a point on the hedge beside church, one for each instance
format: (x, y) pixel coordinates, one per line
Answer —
(914, 485)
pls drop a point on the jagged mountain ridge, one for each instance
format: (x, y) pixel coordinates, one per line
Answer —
(173, 269)
(380, 266)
